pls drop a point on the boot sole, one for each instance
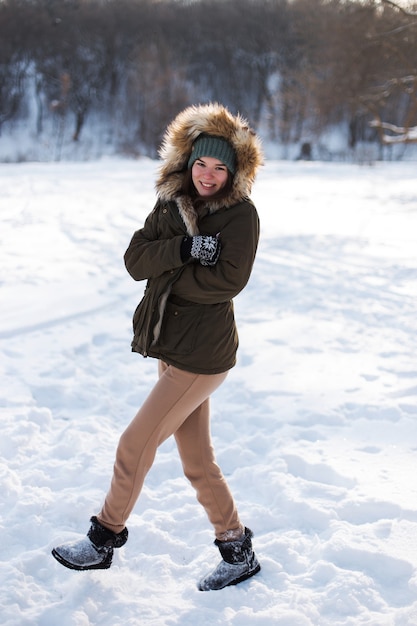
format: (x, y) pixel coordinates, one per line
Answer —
(82, 568)
(236, 581)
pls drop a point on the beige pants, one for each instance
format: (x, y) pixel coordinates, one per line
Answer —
(178, 405)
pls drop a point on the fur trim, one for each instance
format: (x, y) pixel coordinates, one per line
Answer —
(212, 119)
(189, 215)
(162, 306)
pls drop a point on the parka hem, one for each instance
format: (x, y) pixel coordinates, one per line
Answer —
(181, 366)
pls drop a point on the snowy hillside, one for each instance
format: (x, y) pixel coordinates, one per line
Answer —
(315, 429)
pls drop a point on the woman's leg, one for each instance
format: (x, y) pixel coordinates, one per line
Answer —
(197, 455)
(175, 396)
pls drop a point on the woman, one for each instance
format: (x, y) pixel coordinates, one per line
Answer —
(196, 251)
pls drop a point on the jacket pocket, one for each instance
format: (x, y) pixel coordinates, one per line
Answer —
(180, 327)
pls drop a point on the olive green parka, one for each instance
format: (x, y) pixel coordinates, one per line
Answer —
(186, 314)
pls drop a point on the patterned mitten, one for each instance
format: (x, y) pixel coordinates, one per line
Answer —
(205, 248)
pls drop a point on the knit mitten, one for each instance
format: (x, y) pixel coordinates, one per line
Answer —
(203, 248)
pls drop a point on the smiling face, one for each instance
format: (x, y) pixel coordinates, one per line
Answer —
(209, 176)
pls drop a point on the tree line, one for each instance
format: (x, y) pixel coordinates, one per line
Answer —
(292, 67)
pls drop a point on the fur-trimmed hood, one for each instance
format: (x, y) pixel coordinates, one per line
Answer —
(211, 119)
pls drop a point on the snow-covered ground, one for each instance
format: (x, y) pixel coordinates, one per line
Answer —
(316, 428)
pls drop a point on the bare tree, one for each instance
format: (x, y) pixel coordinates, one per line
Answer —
(127, 66)
(15, 58)
(400, 88)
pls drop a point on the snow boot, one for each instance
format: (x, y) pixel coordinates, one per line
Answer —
(92, 552)
(239, 563)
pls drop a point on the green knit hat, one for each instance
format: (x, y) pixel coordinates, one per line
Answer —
(215, 147)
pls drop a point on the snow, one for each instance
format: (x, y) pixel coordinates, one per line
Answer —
(315, 428)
